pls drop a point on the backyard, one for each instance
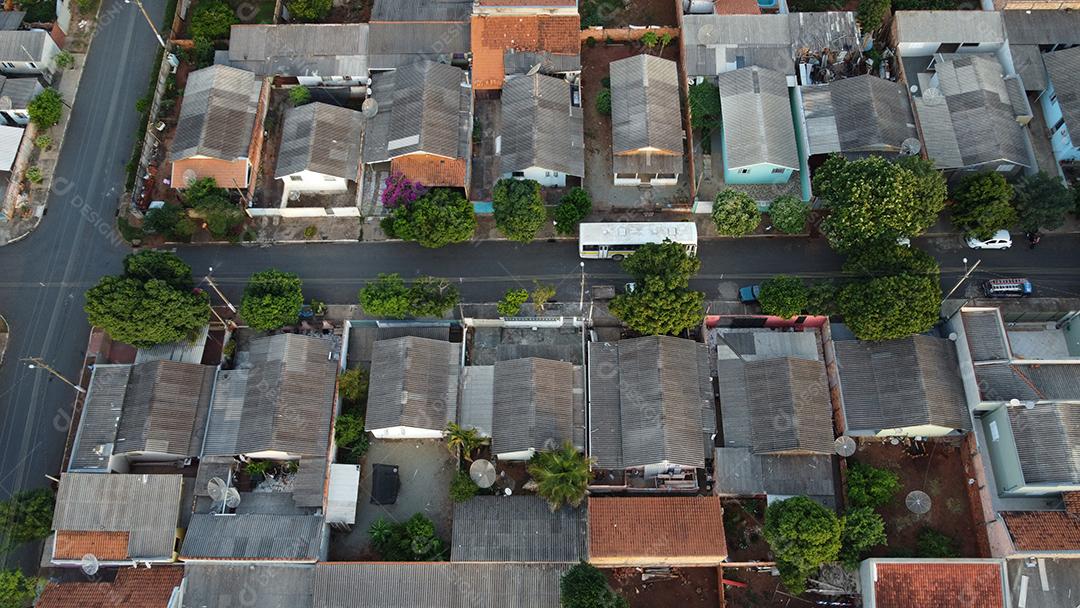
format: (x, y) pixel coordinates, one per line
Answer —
(743, 519)
(685, 587)
(621, 13)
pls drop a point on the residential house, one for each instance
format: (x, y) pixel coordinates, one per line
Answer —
(314, 54)
(1046, 533)
(11, 20)
(536, 403)
(930, 583)
(15, 97)
(152, 412)
(320, 150)
(423, 127)
(413, 388)
(157, 587)
(1031, 33)
(541, 137)
(219, 131)
(928, 33)
(27, 52)
(525, 7)
(505, 44)
(402, 32)
(255, 537)
(1061, 102)
(518, 529)
(671, 531)
(646, 124)
(758, 135)
(265, 585)
(437, 585)
(119, 519)
(652, 410)
(858, 117)
(909, 387)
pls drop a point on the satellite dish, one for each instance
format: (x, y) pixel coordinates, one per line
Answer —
(190, 177)
(1029, 405)
(370, 107)
(294, 196)
(482, 473)
(217, 489)
(845, 446)
(914, 89)
(910, 146)
(1014, 402)
(508, 491)
(89, 564)
(533, 70)
(232, 498)
(918, 502)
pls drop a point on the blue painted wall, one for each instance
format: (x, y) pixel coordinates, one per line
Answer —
(1065, 149)
(754, 174)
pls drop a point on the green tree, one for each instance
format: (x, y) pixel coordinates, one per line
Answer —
(932, 544)
(704, 106)
(803, 535)
(664, 265)
(882, 259)
(871, 14)
(44, 109)
(432, 297)
(864, 529)
(353, 388)
(871, 487)
(201, 190)
(1041, 202)
(735, 213)
(413, 540)
(650, 40)
(26, 517)
(170, 221)
(561, 475)
(783, 296)
(63, 60)
(821, 298)
(139, 309)
(873, 200)
(890, 307)
(789, 214)
(212, 20)
(982, 205)
(585, 586)
(603, 101)
(575, 206)
(518, 209)
(462, 440)
(386, 297)
(541, 295)
(659, 311)
(272, 299)
(299, 95)
(18, 590)
(440, 217)
(309, 10)
(201, 53)
(222, 216)
(350, 435)
(510, 304)
(462, 487)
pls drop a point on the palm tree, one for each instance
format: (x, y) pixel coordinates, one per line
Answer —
(561, 476)
(464, 439)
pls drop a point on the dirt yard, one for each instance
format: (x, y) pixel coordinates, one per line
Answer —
(939, 473)
(762, 590)
(621, 13)
(689, 588)
(743, 519)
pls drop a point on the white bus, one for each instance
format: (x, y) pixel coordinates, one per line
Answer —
(616, 240)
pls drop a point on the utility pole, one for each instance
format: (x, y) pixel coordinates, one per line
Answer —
(581, 300)
(961, 281)
(218, 291)
(36, 362)
(149, 21)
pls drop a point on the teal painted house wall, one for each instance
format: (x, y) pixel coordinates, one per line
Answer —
(761, 173)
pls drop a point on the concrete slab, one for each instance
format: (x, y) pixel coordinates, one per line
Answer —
(1050, 582)
(1039, 344)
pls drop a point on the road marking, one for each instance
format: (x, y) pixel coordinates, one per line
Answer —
(1023, 592)
(1042, 575)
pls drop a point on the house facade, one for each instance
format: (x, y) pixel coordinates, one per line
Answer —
(1061, 102)
(646, 123)
(27, 52)
(542, 137)
(758, 134)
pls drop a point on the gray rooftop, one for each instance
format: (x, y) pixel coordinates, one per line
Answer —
(651, 402)
(540, 126)
(1036, 382)
(414, 383)
(11, 20)
(300, 49)
(147, 507)
(944, 27)
(280, 397)
(217, 114)
(1063, 70)
(901, 383)
(534, 404)
(24, 45)
(437, 585)
(395, 44)
(208, 585)
(857, 115)
(968, 119)
(1046, 440)
(1042, 27)
(322, 138)
(645, 113)
(421, 10)
(423, 107)
(1028, 61)
(758, 127)
(985, 335)
(517, 529)
(740, 472)
(253, 537)
(19, 91)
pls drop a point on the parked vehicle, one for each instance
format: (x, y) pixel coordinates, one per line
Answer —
(1007, 288)
(1000, 240)
(749, 293)
(616, 240)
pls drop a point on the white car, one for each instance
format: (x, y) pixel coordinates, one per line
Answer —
(1000, 240)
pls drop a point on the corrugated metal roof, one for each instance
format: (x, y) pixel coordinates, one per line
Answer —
(414, 383)
(421, 10)
(790, 407)
(24, 45)
(342, 494)
(11, 20)
(397, 44)
(253, 536)
(100, 418)
(533, 404)
(517, 529)
(944, 27)
(1063, 70)
(645, 105)
(217, 114)
(437, 585)
(541, 128)
(147, 507)
(1046, 442)
(322, 138)
(739, 472)
(477, 398)
(1028, 61)
(985, 335)
(183, 351)
(758, 127)
(263, 585)
(605, 420)
(860, 114)
(300, 49)
(19, 91)
(1042, 27)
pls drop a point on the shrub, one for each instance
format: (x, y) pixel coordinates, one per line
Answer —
(309, 10)
(310, 232)
(170, 221)
(704, 106)
(18, 590)
(735, 213)
(400, 191)
(603, 101)
(63, 60)
(299, 95)
(350, 435)
(201, 53)
(33, 175)
(45, 108)
(413, 540)
(871, 14)
(353, 388)
(129, 232)
(462, 487)
(272, 299)
(870, 486)
(789, 214)
(585, 586)
(541, 295)
(518, 209)
(574, 207)
(211, 20)
(863, 530)
(511, 302)
(650, 39)
(783, 296)
(935, 545)
(43, 142)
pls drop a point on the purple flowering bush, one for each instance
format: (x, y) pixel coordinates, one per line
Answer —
(400, 191)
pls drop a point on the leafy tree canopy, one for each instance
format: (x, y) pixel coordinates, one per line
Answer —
(871, 14)
(561, 475)
(518, 209)
(44, 109)
(664, 265)
(212, 20)
(864, 529)
(704, 106)
(659, 311)
(432, 297)
(161, 265)
(350, 435)
(803, 535)
(1041, 202)
(299, 95)
(783, 296)
(603, 101)
(412, 540)
(982, 205)
(386, 297)
(18, 590)
(353, 387)
(272, 299)
(170, 221)
(789, 214)
(462, 487)
(585, 586)
(440, 217)
(574, 207)
(309, 10)
(871, 487)
(890, 307)
(510, 304)
(26, 517)
(735, 213)
(882, 259)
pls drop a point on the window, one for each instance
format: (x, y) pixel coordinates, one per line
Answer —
(1053, 97)
(969, 44)
(547, 173)
(9, 65)
(1057, 125)
(518, 174)
(744, 171)
(590, 248)
(994, 435)
(329, 178)
(296, 178)
(779, 170)
(1005, 168)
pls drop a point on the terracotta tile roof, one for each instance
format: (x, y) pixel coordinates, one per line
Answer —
(492, 36)
(133, 588)
(1072, 502)
(938, 584)
(1043, 530)
(106, 546)
(737, 7)
(227, 173)
(676, 528)
(431, 170)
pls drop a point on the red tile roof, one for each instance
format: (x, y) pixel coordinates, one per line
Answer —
(686, 529)
(431, 170)
(106, 546)
(938, 584)
(1072, 502)
(227, 173)
(133, 588)
(1043, 530)
(492, 36)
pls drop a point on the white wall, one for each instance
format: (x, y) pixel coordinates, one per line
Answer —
(546, 177)
(406, 432)
(318, 81)
(303, 212)
(522, 455)
(310, 181)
